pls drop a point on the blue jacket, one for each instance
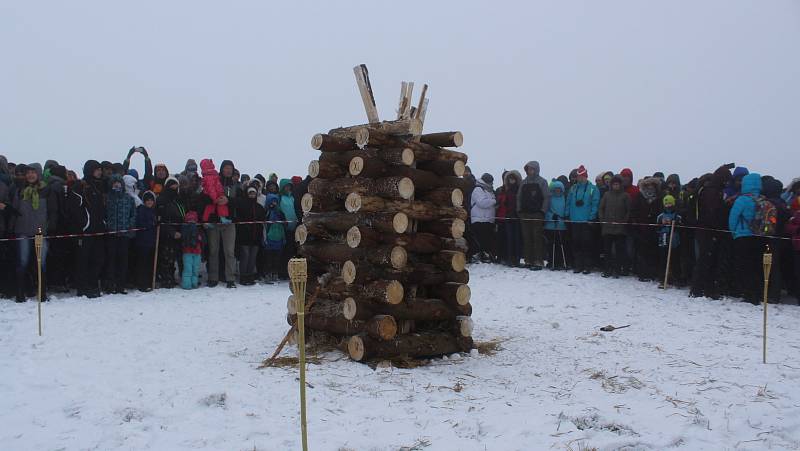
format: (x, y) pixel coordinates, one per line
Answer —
(590, 196)
(744, 208)
(558, 207)
(120, 213)
(665, 230)
(146, 219)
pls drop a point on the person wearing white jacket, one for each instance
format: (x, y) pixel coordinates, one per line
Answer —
(482, 214)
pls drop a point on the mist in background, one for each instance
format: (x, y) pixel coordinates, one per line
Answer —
(678, 86)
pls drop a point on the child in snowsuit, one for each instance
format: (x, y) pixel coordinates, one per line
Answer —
(666, 219)
(274, 237)
(212, 187)
(145, 241)
(120, 217)
(192, 245)
(555, 229)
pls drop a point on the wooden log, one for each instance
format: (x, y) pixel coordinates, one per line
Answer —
(426, 274)
(327, 143)
(421, 101)
(392, 156)
(325, 252)
(362, 347)
(426, 152)
(419, 210)
(454, 168)
(361, 272)
(379, 327)
(455, 244)
(382, 327)
(410, 309)
(377, 291)
(390, 187)
(361, 133)
(423, 180)
(367, 96)
(369, 167)
(453, 293)
(450, 260)
(444, 196)
(325, 170)
(465, 185)
(311, 203)
(450, 228)
(457, 277)
(342, 222)
(443, 139)
(406, 326)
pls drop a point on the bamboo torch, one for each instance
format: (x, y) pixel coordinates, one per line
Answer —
(767, 270)
(155, 256)
(298, 272)
(37, 242)
(669, 254)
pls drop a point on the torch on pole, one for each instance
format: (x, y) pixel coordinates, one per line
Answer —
(767, 270)
(298, 273)
(38, 241)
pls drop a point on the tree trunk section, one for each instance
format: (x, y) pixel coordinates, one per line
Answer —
(448, 228)
(444, 196)
(454, 168)
(342, 221)
(362, 347)
(443, 139)
(328, 143)
(325, 170)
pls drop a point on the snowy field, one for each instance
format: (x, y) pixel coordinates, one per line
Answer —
(176, 370)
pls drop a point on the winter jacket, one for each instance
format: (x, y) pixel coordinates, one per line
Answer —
(665, 230)
(275, 231)
(120, 212)
(744, 208)
(530, 197)
(131, 189)
(507, 197)
(483, 203)
(212, 187)
(85, 205)
(631, 190)
(583, 202)
(645, 210)
(26, 219)
(738, 174)
(169, 209)
(793, 230)
(145, 219)
(710, 209)
(250, 234)
(5, 198)
(287, 206)
(615, 207)
(557, 211)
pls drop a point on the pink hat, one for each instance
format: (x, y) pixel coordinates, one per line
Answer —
(582, 172)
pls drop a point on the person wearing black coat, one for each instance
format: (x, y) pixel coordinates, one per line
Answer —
(85, 212)
(711, 217)
(644, 211)
(249, 236)
(170, 210)
(145, 241)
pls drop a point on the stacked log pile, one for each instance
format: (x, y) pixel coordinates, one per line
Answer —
(382, 231)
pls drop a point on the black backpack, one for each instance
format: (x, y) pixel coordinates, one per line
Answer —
(531, 198)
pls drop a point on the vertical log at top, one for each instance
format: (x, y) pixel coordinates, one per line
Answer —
(365, 88)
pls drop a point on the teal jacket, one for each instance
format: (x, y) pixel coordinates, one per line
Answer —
(588, 196)
(744, 208)
(557, 211)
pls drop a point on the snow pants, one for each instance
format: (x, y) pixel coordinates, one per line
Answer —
(191, 271)
(532, 226)
(224, 235)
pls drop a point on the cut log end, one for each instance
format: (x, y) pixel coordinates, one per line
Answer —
(407, 157)
(457, 197)
(301, 234)
(307, 202)
(313, 169)
(355, 347)
(458, 139)
(316, 141)
(362, 137)
(394, 292)
(349, 272)
(405, 188)
(399, 257)
(383, 327)
(459, 167)
(463, 294)
(400, 222)
(465, 325)
(349, 309)
(458, 228)
(352, 203)
(356, 166)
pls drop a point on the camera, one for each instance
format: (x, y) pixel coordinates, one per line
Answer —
(579, 202)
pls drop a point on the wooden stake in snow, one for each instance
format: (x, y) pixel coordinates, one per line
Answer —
(767, 270)
(669, 254)
(38, 241)
(298, 272)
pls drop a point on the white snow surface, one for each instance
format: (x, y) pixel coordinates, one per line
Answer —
(174, 369)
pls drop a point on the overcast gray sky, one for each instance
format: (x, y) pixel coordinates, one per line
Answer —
(676, 86)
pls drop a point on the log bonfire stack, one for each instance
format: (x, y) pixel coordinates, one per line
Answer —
(383, 234)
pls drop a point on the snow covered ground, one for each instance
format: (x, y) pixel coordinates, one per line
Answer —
(178, 370)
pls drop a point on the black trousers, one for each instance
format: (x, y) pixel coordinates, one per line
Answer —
(165, 267)
(89, 261)
(144, 267)
(748, 266)
(59, 255)
(705, 278)
(647, 255)
(117, 247)
(582, 245)
(484, 235)
(616, 253)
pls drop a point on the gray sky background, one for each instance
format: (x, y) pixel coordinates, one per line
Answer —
(677, 86)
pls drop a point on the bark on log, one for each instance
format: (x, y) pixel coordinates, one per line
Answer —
(394, 156)
(450, 260)
(426, 152)
(423, 180)
(419, 210)
(342, 222)
(389, 187)
(367, 167)
(324, 252)
(443, 139)
(362, 347)
(327, 143)
(379, 327)
(325, 170)
(361, 133)
(444, 196)
(311, 203)
(426, 274)
(412, 309)
(453, 293)
(378, 291)
(444, 168)
(449, 228)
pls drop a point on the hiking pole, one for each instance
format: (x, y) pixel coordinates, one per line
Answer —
(155, 256)
(298, 272)
(767, 270)
(669, 254)
(37, 242)
(563, 254)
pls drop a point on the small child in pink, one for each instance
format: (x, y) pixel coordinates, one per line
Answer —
(212, 187)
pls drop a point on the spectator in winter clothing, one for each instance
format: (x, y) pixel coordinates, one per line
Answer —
(747, 247)
(6, 253)
(583, 203)
(792, 192)
(249, 236)
(159, 178)
(221, 233)
(145, 242)
(793, 230)
(212, 187)
(192, 250)
(190, 168)
(711, 217)
(555, 228)
(60, 252)
(508, 218)
(734, 186)
(275, 237)
(131, 189)
(86, 214)
(120, 216)
(615, 207)
(170, 210)
(482, 216)
(35, 208)
(667, 238)
(533, 201)
(645, 210)
(631, 189)
(289, 208)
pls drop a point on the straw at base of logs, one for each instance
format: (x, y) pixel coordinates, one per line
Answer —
(383, 232)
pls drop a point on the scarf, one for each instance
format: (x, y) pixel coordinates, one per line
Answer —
(31, 194)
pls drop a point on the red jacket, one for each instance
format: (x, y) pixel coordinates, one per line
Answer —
(506, 204)
(793, 230)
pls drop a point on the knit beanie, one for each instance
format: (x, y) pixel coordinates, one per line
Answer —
(582, 172)
(669, 201)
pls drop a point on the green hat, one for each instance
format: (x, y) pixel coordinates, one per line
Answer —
(669, 201)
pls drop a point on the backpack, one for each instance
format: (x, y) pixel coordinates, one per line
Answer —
(531, 198)
(765, 219)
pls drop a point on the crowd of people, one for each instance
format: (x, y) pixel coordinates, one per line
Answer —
(723, 222)
(112, 230)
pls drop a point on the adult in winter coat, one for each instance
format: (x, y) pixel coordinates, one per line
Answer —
(555, 228)
(35, 208)
(583, 203)
(221, 233)
(6, 252)
(746, 246)
(533, 201)
(482, 216)
(60, 253)
(145, 242)
(120, 218)
(793, 230)
(170, 210)
(147, 178)
(508, 217)
(212, 187)
(250, 236)
(86, 214)
(711, 217)
(274, 237)
(734, 186)
(288, 206)
(159, 178)
(644, 211)
(615, 213)
(131, 189)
